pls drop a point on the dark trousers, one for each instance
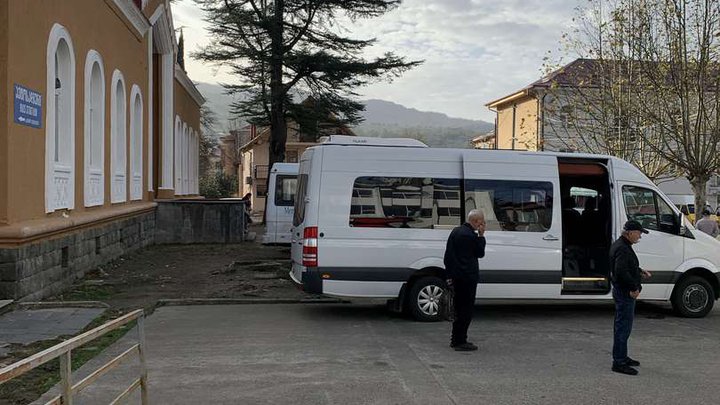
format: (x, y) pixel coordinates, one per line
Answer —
(624, 315)
(465, 291)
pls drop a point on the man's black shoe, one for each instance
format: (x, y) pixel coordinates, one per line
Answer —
(622, 368)
(465, 347)
(632, 363)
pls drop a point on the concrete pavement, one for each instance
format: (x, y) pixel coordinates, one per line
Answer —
(25, 326)
(361, 354)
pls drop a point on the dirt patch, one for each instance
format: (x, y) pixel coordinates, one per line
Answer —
(140, 279)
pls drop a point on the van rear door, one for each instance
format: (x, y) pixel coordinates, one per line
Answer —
(299, 215)
(284, 188)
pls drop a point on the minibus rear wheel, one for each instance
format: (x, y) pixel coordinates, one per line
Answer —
(693, 297)
(424, 298)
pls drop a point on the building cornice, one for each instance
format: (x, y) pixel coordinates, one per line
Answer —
(511, 97)
(134, 15)
(188, 85)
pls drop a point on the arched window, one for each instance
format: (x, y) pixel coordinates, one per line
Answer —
(136, 138)
(178, 155)
(118, 139)
(94, 130)
(60, 121)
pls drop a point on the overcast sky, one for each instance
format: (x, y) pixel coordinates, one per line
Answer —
(475, 51)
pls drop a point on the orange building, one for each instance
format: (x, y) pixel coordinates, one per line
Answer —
(99, 121)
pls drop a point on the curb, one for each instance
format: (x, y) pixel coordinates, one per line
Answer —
(62, 304)
(246, 301)
(6, 306)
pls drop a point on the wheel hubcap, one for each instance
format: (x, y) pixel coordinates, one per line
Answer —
(695, 298)
(429, 300)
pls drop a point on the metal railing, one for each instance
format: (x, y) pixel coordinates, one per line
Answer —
(64, 349)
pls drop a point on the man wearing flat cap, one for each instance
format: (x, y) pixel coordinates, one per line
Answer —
(626, 286)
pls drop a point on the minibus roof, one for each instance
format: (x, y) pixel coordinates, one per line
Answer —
(370, 141)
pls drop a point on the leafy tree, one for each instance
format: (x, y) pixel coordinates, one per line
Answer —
(284, 51)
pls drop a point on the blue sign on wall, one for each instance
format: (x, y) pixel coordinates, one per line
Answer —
(28, 107)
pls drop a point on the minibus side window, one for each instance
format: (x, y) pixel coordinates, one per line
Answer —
(648, 208)
(514, 206)
(301, 192)
(405, 202)
(285, 188)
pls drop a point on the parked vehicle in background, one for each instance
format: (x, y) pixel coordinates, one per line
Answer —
(686, 205)
(372, 217)
(281, 203)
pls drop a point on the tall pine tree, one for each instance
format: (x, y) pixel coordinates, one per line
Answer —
(284, 51)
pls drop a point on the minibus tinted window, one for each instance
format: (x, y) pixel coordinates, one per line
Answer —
(285, 187)
(405, 202)
(301, 192)
(516, 206)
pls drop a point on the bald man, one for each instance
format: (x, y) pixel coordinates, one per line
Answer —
(465, 246)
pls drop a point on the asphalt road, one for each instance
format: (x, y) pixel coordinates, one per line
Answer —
(361, 354)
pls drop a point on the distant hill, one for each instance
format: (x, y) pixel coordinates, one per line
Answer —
(389, 120)
(218, 102)
(382, 119)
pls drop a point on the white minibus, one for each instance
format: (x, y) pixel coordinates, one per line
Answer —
(281, 203)
(372, 217)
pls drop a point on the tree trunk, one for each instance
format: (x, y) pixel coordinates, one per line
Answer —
(278, 126)
(699, 185)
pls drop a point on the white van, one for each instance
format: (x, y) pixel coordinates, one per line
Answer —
(372, 217)
(281, 203)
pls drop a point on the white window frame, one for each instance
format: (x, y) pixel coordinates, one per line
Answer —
(194, 165)
(197, 163)
(136, 143)
(177, 156)
(94, 168)
(185, 159)
(59, 175)
(118, 128)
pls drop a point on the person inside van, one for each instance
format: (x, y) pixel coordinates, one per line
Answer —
(571, 220)
(708, 225)
(465, 246)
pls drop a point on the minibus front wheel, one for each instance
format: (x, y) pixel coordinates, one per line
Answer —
(693, 297)
(424, 298)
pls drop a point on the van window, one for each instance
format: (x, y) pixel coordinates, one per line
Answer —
(405, 202)
(519, 206)
(285, 187)
(648, 208)
(301, 192)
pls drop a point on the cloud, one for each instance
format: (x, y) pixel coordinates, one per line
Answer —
(475, 51)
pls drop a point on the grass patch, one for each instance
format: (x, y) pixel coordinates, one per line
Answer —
(33, 384)
(88, 292)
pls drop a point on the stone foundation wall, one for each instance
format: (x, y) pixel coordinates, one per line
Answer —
(47, 267)
(200, 221)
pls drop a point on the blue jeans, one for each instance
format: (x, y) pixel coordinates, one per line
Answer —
(624, 315)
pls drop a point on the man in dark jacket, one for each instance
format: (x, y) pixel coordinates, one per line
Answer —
(464, 246)
(626, 286)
